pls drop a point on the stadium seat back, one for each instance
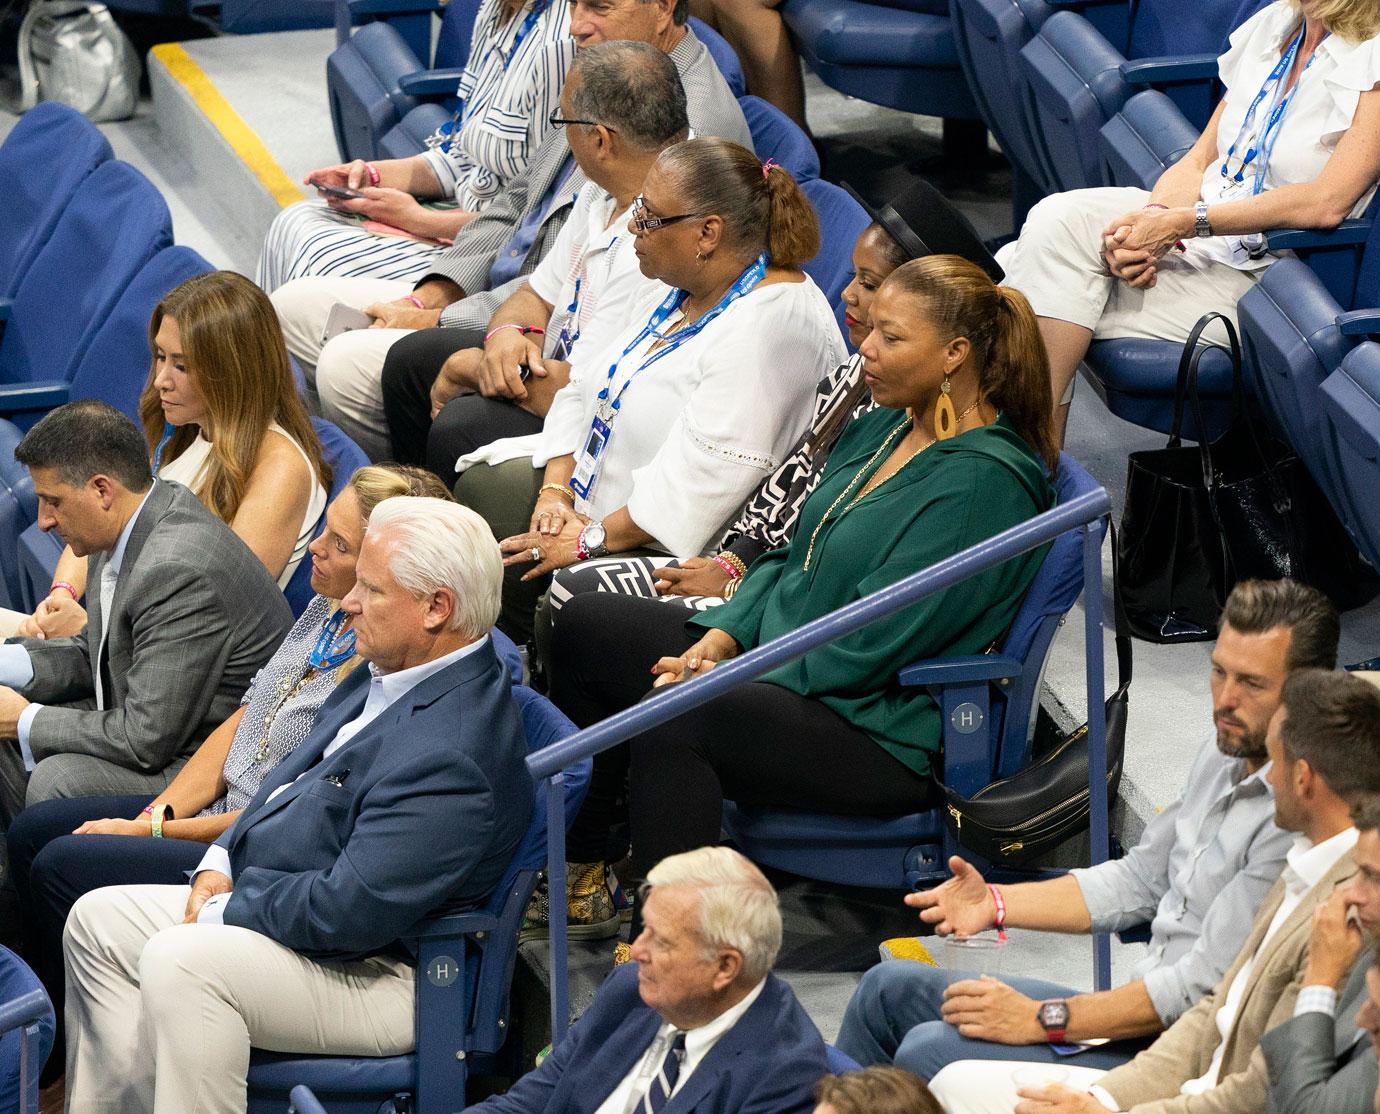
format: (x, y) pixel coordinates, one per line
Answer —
(408, 137)
(362, 90)
(776, 136)
(46, 156)
(1144, 138)
(1351, 436)
(115, 223)
(841, 221)
(18, 508)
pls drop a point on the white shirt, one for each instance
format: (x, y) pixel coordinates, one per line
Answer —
(703, 426)
(632, 1088)
(385, 689)
(508, 97)
(1319, 113)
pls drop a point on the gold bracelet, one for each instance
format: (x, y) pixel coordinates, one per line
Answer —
(734, 560)
(559, 489)
(731, 587)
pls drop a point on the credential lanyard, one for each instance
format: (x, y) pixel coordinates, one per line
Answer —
(1263, 145)
(744, 284)
(571, 328)
(451, 126)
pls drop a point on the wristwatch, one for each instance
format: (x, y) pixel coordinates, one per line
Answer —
(1201, 227)
(591, 542)
(1054, 1017)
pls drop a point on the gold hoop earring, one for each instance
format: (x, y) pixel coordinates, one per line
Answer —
(945, 420)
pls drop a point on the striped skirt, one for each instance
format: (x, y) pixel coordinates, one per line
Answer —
(310, 238)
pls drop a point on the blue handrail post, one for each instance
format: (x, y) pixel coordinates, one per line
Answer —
(555, 906)
(1097, 733)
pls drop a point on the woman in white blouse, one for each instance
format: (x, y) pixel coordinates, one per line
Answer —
(518, 61)
(222, 417)
(1295, 142)
(659, 439)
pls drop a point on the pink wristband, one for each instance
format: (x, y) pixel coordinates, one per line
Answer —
(416, 301)
(733, 574)
(525, 330)
(1000, 922)
(374, 177)
(69, 589)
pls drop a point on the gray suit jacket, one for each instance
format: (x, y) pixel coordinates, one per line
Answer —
(1321, 1066)
(713, 110)
(194, 617)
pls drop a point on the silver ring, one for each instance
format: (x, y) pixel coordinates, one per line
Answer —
(536, 553)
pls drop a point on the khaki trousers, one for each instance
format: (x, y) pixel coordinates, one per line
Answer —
(161, 1015)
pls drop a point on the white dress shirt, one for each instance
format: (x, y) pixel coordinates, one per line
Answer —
(16, 667)
(633, 1087)
(385, 689)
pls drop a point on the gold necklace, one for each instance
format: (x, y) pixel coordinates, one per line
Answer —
(286, 691)
(810, 549)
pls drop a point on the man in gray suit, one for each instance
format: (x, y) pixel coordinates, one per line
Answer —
(493, 252)
(1320, 1061)
(180, 617)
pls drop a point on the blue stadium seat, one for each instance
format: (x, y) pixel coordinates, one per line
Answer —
(345, 458)
(1351, 437)
(67, 147)
(904, 851)
(776, 136)
(302, 1101)
(27, 1026)
(725, 57)
(469, 1015)
(1144, 138)
(115, 223)
(898, 53)
(18, 508)
(365, 72)
(841, 222)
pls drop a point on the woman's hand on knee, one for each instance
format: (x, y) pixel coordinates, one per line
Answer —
(714, 647)
(1156, 231)
(1135, 268)
(696, 576)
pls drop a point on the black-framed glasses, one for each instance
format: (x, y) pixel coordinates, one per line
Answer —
(643, 223)
(558, 121)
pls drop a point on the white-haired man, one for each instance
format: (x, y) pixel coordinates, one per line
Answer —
(292, 934)
(699, 1022)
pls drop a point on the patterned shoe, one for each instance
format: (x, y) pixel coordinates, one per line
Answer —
(590, 914)
(906, 947)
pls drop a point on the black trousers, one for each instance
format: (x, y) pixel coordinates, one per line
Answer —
(758, 744)
(51, 868)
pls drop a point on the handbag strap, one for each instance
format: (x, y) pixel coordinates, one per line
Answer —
(1186, 383)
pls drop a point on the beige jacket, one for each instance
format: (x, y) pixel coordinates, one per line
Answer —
(1150, 1083)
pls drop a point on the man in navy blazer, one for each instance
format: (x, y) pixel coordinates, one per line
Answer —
(699, 1022)
(407, 799)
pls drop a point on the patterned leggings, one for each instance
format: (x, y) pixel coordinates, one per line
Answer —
(624, 576)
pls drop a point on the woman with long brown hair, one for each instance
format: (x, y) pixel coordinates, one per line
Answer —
(222, 417)
(960, 448)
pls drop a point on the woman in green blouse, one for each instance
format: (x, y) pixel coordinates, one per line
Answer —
(961, 447)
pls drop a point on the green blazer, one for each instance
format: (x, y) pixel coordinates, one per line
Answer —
(954, 494)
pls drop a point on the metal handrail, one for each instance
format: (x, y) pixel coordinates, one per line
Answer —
(1081, 512)
(24, 1013)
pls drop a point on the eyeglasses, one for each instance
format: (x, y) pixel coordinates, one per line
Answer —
(558, 121)
(643, 223)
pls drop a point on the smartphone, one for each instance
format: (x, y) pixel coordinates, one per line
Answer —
(344, 319)
(339, 193)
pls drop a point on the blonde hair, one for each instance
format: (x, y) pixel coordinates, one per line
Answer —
(737, 907)
(1354, 20)
(374, 483)
(233, 346)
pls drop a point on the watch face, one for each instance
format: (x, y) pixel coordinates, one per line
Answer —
(594, 535)
(1053, 1015)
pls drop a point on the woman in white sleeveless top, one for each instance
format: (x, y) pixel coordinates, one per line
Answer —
(223, 417)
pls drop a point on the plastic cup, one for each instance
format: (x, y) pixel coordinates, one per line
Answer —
(981, 954)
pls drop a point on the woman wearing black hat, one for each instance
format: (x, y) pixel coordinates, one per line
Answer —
(915, 221)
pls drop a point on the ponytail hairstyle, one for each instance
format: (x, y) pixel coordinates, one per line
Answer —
(761, 205)
(233, 346)
(1008, 353)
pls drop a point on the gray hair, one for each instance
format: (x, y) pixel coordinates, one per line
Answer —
(631, 88)
(737, 908)
(438, 544)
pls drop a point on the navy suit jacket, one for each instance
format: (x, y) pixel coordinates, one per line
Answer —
(768, 1063)
(418, 814)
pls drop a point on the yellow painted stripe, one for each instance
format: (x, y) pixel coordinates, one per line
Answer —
(248, 146)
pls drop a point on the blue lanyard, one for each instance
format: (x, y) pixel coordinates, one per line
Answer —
(1263, 145)
(744, 284)
(538, 9)
(168, 430)
(570, 331)
(328, 652)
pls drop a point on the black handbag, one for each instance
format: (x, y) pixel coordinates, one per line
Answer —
(1241, 507)
(1019, 818)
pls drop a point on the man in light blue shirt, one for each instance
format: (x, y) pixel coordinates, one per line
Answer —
(1199, 873)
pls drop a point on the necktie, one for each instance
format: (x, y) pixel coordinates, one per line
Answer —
(107, 598)
(665, 1081)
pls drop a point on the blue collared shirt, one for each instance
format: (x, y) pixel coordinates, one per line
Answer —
(385, 689)
(1198, 874)
(17, 668)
